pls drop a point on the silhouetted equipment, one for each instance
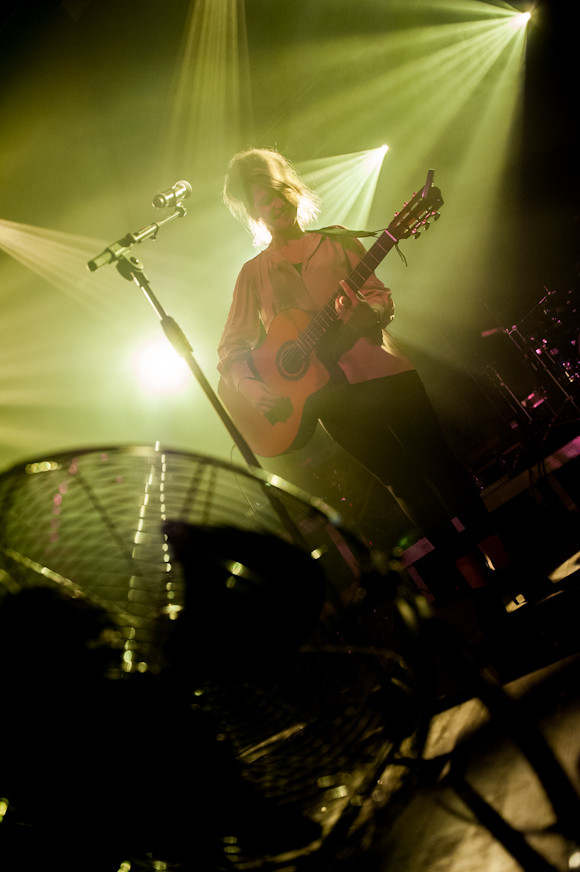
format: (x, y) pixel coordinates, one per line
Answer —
(535, 364)
(221, 625)
(190, 686)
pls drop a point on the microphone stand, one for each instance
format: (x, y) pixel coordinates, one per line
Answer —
(131, 268)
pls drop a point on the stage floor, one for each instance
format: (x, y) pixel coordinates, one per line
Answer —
(439, 831)
(535, 654)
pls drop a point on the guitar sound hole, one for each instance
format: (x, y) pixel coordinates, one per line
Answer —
(290, 361)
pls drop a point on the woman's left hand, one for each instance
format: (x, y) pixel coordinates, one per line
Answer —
(358, 315)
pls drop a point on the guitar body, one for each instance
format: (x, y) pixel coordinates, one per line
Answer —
(279, 363)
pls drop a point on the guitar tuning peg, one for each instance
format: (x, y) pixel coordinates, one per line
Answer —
(436, 216)
(416, 234)
(426, 225)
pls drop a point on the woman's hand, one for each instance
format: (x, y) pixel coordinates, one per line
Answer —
(359, 316)
(258, 394)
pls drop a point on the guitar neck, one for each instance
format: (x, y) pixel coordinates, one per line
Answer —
(376, 253)
(414, 215)
(311, 336)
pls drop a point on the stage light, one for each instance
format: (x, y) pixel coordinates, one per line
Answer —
(376, 157)
(520, 20)
(159, 369)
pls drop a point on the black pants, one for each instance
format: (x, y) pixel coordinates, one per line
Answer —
(391, 428)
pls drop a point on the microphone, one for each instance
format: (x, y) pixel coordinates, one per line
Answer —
(172, 196)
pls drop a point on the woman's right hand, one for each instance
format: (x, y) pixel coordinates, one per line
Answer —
(258, 394)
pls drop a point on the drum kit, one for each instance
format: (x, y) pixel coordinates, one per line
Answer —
(536, 366)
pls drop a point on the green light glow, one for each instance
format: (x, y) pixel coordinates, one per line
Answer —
(60, 258)
(211, 102)
(67, 377)
(440, 81)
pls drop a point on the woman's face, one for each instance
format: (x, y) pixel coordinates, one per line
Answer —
(277, 213)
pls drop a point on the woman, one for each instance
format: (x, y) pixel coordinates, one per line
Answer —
(374, 404)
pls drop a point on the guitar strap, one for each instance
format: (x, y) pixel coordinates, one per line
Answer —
(342, 231)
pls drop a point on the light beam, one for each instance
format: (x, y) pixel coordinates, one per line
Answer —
(346, 185)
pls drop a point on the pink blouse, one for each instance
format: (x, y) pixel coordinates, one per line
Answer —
(270, 283)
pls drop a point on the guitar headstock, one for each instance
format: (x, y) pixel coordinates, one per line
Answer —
(416, 215)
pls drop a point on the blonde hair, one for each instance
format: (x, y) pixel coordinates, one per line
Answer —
(266, 167)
